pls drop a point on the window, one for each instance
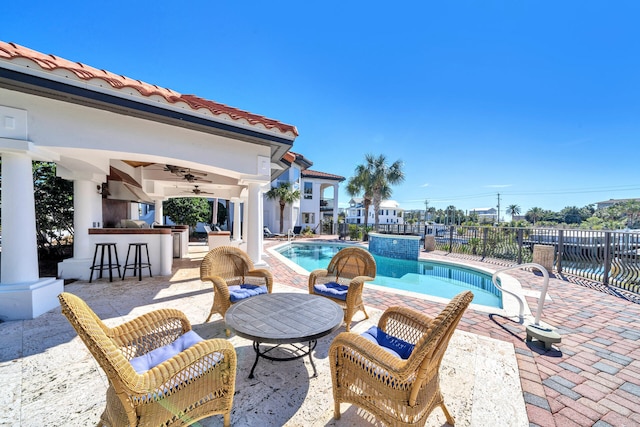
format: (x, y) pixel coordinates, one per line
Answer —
(295, 175)
(308, 190)
(308, 217)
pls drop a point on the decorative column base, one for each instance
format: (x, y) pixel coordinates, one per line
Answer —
(26, 301)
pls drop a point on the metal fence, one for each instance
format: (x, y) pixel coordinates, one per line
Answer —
(609, 257)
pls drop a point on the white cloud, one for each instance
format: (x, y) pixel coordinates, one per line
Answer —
(426, 184)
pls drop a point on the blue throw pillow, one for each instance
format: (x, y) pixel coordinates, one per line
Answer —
(155, 357)
(393, 345)
(332, 290)
(240, 292)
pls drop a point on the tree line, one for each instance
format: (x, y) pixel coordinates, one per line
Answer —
(616, 217)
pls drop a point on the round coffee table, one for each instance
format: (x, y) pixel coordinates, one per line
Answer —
(295, 319)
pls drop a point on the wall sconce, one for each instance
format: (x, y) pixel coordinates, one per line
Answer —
(103, 189)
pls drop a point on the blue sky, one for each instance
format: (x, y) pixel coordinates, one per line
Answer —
(536, 100)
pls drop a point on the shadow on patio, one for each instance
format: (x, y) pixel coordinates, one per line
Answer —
(51, 379)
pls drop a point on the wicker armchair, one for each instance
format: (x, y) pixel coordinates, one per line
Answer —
(227, 266)
(397, 391)
(343, 280)
(195, 383)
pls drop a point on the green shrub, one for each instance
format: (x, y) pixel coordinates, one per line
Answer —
(355, 233)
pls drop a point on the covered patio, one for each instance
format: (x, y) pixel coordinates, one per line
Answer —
(121, 141)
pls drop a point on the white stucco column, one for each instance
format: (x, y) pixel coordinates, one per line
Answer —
(85, 197)
(335, 204)
(20, 263)
(245, 223)
(236, 219)
(159, 214)
(254, 220)
(87, 213)
(23, 295)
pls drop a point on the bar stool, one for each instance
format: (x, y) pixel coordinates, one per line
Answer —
(102, 266)
(137, 265)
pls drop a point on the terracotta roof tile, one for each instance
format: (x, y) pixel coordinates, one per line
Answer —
(289, 157)
(317, 174)
(51, 63)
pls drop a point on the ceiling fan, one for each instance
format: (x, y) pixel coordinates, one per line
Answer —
(198, 191)
(185, 173)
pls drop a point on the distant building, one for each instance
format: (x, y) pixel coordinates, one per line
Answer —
(608, 203)
(390, 212)
(485, 214)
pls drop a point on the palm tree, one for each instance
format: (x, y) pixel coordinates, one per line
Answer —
(513, 210)
(426, 210)
(431, 212)
(631, 210)
(383, 175)
(284, 193)
(534, 214)
(360, 184)
(451, 214)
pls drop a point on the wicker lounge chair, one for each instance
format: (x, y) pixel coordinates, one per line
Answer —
(231, 272)
(343, 280)
(398, 391)
(160, 372)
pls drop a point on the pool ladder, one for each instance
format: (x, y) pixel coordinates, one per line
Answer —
(535, 330)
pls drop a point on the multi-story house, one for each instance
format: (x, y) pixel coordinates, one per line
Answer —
(485, 214)
(318, 201)
(608, 203)
(390, 212)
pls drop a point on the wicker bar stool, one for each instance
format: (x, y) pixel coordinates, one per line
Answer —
(105, 247)
(137, 265)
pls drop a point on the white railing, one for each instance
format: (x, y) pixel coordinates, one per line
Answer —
(543, 294)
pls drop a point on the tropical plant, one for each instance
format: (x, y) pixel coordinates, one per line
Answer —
(374, 178)
(513, 210)
(187, 210)
(631, 212)
(451, 214)
(431, 212)
(355, 233)
(53, 207)
(284, 194)
(533, 215)
(571, 215)
(426, 210)
(359, 184)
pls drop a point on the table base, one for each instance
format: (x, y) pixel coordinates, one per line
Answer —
(306, 349)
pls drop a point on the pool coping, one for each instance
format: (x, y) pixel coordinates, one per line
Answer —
(511, 306)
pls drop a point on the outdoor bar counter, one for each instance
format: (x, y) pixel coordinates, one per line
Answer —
(158, 240)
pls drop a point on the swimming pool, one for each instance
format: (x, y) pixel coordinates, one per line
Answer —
(426, 277)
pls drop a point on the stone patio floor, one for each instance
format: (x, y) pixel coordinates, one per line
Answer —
(490, 375)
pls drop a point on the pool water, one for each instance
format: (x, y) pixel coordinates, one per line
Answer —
(425, 277)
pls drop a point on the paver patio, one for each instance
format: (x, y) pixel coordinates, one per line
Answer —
(591, 378)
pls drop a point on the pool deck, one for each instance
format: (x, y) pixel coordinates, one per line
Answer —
(591, 378)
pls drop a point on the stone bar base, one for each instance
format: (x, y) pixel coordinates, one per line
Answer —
(219, 238)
